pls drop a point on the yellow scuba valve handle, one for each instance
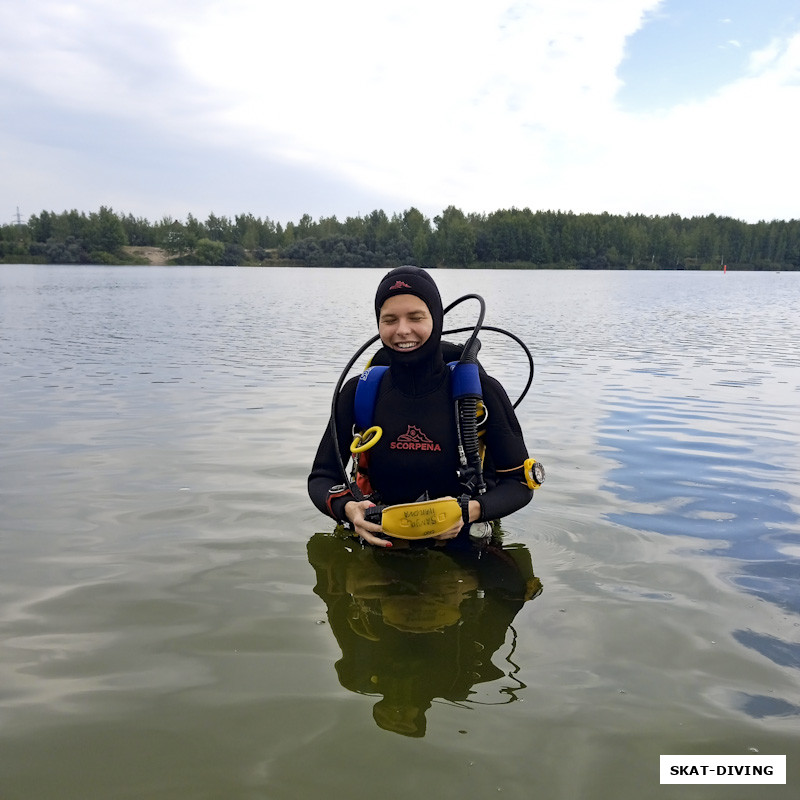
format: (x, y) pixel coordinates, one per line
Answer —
(363, 441)
(534, 473)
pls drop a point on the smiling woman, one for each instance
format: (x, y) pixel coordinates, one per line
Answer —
(413, 448)
(405, 323)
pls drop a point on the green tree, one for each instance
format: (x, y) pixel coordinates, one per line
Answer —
(41, 227)
(455, 238)
(209, 252)
(415, 229)
(377, 230)
(66, 251)
(219, 229)
(138, 231)
(104, 232)
(177, 240)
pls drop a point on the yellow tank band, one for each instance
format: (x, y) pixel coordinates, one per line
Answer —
(421, 520)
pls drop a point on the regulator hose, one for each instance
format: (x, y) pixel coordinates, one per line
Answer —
(469, 353)
(514, 338)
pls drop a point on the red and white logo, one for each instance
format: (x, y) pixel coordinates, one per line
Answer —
(399, 285)
(414, 439)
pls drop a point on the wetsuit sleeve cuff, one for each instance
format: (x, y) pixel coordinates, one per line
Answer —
(464, 502)
(336, 503)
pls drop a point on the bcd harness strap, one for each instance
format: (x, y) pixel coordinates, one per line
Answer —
(367, 396)
(466, 382)
(466, 389)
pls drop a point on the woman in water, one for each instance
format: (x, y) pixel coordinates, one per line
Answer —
(417, 455)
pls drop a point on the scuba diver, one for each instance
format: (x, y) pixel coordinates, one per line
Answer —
(435, 443)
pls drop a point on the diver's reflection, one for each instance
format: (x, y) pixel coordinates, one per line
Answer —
(422, 622)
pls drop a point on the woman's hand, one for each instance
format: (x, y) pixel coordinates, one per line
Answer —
(366, 530)
(369, 531)
(474, 515)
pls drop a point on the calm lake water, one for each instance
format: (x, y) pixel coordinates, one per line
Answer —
(177, 621)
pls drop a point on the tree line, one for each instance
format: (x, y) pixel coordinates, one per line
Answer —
(518, 238)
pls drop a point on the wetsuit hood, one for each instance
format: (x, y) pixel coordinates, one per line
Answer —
(413, 280)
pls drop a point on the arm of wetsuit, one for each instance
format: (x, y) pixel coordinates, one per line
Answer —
(506, 455)
(326, 486)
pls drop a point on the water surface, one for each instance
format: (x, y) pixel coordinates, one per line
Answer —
(177, 620)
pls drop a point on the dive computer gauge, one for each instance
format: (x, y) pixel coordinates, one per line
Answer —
(534, 473)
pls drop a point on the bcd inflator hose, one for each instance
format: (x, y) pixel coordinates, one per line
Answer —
(466, 389)
(468, 422)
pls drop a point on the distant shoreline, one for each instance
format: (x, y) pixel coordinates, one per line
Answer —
(155, 257)
(506, 239)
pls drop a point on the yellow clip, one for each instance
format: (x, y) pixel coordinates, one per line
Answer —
(421, 520)
(363, 441)
(534, 473)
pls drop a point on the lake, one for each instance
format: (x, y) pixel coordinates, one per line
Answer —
(178, 621)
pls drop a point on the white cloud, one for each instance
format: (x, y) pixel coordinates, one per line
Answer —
(730, 154)
(480, 104)
(451, 101)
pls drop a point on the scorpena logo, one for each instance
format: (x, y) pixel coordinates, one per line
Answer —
(414, 439)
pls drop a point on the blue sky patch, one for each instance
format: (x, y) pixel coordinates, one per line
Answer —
(687, 50)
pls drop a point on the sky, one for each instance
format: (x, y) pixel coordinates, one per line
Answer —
(168, 107)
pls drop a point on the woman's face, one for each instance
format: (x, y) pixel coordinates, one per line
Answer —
(405, 323)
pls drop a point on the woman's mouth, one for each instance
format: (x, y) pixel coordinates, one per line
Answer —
(406, 345)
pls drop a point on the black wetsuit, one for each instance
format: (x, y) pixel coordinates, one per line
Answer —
(417, 452)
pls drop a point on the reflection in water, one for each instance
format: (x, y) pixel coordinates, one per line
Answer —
(720, 473)
(422, 622)
(763, 706)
